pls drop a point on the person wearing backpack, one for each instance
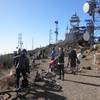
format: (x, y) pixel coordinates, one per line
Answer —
(22, 67)
(73, 60)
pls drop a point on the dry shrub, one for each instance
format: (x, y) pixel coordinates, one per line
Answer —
(8, 80)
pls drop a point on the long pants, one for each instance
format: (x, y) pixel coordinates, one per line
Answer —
(18, 72)
(73, 65)
(61, 70)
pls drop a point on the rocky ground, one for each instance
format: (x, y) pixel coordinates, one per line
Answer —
(85, 85)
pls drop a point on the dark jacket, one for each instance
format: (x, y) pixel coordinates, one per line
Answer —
(72, 55)
(61, 58)
(21, 62)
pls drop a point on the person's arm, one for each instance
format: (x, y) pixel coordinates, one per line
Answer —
(77, 59)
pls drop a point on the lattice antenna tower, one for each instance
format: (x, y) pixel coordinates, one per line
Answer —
(92, 7)
(50, 36)
(20, 43)
(56, 31)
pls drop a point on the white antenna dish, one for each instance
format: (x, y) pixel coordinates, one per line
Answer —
(86, 36)
(86, 7)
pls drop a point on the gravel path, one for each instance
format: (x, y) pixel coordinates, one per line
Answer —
(83, 86)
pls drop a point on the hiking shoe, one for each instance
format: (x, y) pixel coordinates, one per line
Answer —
(18, 88)
(59, 77)
(62, 79)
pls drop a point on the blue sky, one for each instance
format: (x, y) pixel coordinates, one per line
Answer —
(34, 19)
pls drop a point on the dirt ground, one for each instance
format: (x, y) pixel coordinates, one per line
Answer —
(83, 86)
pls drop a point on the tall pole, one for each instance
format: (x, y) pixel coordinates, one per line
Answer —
(20, 43)
(93, 19)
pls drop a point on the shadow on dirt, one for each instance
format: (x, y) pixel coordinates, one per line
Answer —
(89, 75)
(45, 95)
(34, 92)
(91, 84)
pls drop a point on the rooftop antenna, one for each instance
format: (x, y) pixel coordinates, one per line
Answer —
(56, 32)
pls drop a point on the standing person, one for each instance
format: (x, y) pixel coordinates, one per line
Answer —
(60, 60)
(79, 56)
(22, 67)
(73, 60)
(52, 63)
(53, 53)
(68, 55)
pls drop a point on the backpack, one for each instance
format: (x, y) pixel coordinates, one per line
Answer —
(23, 63)
(73, 55)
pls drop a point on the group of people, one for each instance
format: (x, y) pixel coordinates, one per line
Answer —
(57, 61)
(21, 63)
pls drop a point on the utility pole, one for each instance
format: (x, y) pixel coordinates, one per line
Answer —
(93, 20)
(90, 8)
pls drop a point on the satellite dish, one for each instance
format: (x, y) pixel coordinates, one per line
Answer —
(86, 7)
(86, 36)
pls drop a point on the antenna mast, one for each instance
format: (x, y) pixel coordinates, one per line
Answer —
(50, 36)
(56, 32)
(20, 43)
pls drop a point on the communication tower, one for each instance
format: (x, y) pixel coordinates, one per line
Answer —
(50, 36)
(56, 31)
(92, 7)
(20, 43)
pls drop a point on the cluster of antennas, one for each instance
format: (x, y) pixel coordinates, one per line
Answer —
(91, 7)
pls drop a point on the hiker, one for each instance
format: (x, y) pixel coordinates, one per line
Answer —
(43, 53)
(52, 63)
(22, 67)
(39, 54)
(68, 55)
(53, 53)
(79, 56)
(73, 60)
(60, 63)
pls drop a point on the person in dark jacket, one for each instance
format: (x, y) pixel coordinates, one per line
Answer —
(73, 60)
(22, 67)
(60, 60)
